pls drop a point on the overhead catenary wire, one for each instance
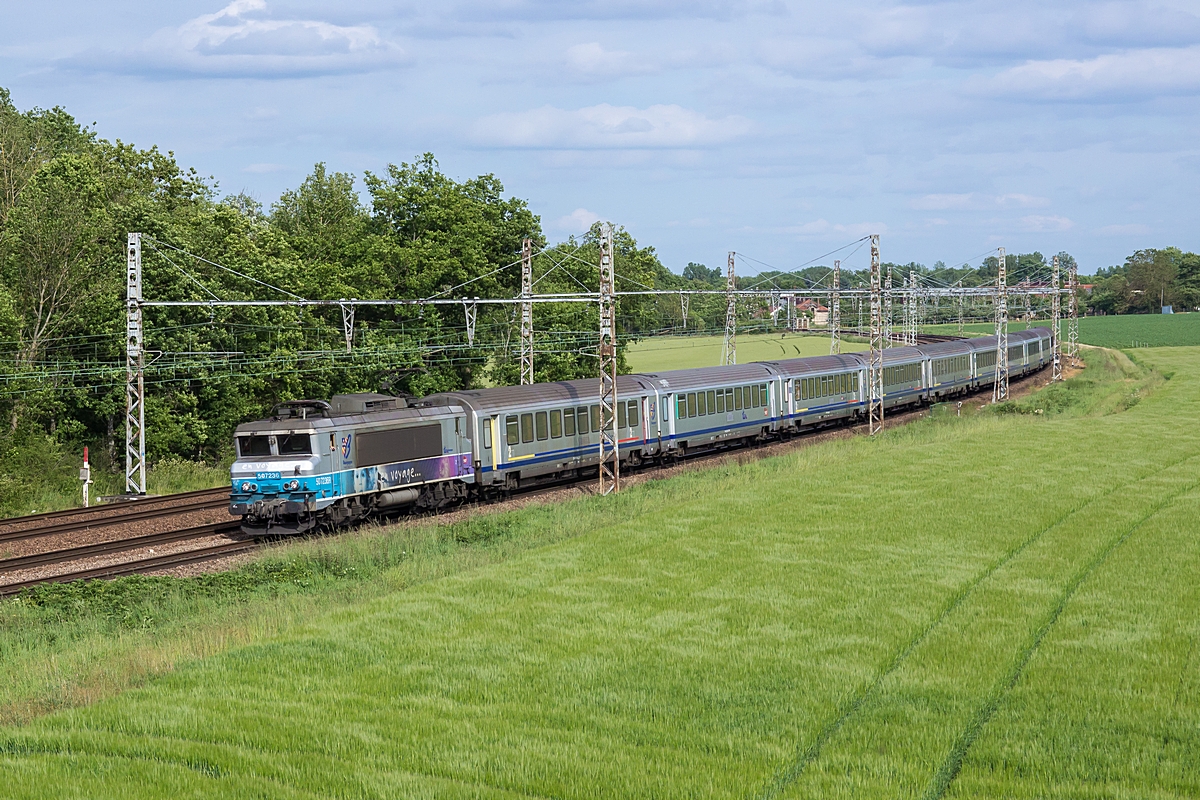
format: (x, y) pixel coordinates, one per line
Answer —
(223, 267)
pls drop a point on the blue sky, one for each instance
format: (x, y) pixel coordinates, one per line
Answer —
(778, 129)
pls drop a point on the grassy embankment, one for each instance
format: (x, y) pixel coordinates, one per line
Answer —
(662, 353)
(1119, 332)
(46, 479)
(1010, 610)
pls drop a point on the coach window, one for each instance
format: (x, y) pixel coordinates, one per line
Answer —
(691, 404)
(737, 398)
(539, 420)
(485, 426)
(701, 405)
(511, 430)
(633, 414)
(526, 428)
(595, 415)
(556, 424)
(729, 399)
(721, 402)
(581, 419)
(681, 406)
(569, 422)
(712, 401)
(621, 414)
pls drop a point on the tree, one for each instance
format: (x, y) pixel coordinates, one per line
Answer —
(434, 236)
(52, 246)
(702, 274)
(1152, 274)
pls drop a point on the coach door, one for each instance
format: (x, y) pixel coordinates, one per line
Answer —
(489, 442)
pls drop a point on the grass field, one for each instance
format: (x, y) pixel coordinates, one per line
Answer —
(1125, 331)
(1001, 605)
(685, 352)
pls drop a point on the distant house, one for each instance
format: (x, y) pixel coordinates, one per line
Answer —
(808, 309)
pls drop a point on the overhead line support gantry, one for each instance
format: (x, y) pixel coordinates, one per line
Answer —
(729, 346)
(1000, 386)
(1055, 322)
(526, 312)
(875, 357)
(610, 461)
(835, 311)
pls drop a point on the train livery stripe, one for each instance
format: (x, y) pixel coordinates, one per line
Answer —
(366, 480)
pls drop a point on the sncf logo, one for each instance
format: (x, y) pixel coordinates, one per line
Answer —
(346, 446)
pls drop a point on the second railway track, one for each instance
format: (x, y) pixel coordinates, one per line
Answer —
(167, 561)
(213, 500)
(17, 563)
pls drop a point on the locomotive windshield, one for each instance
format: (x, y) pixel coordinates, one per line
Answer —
(253, 445)
(296, 444)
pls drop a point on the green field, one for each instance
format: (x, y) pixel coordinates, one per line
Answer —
(661, 353)
(1000, 605)
(1122, 332)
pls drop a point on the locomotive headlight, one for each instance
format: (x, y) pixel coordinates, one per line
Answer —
(245, 486)
(292, 486)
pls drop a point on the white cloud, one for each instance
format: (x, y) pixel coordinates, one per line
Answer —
(1133, 229)
(976, 201)
(593, 61)
(1045, 224)
(1133, 74)
(606, 126)
(823, 227)
(244, 40)
(580, 220)
(942, 202)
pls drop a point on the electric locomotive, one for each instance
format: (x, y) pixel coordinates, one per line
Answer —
(316, 463)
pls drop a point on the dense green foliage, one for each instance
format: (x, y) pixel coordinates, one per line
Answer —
(1031, 637)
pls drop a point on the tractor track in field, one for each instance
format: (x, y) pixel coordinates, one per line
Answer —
(102, 541)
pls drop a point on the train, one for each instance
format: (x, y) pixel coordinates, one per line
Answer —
(316, 464)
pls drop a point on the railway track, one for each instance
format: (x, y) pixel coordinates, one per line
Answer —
(112, 509)
(202, 501)
(196, 556)
(14, 564)
(73, 521)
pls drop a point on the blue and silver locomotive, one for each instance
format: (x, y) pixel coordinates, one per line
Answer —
(324, 464)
